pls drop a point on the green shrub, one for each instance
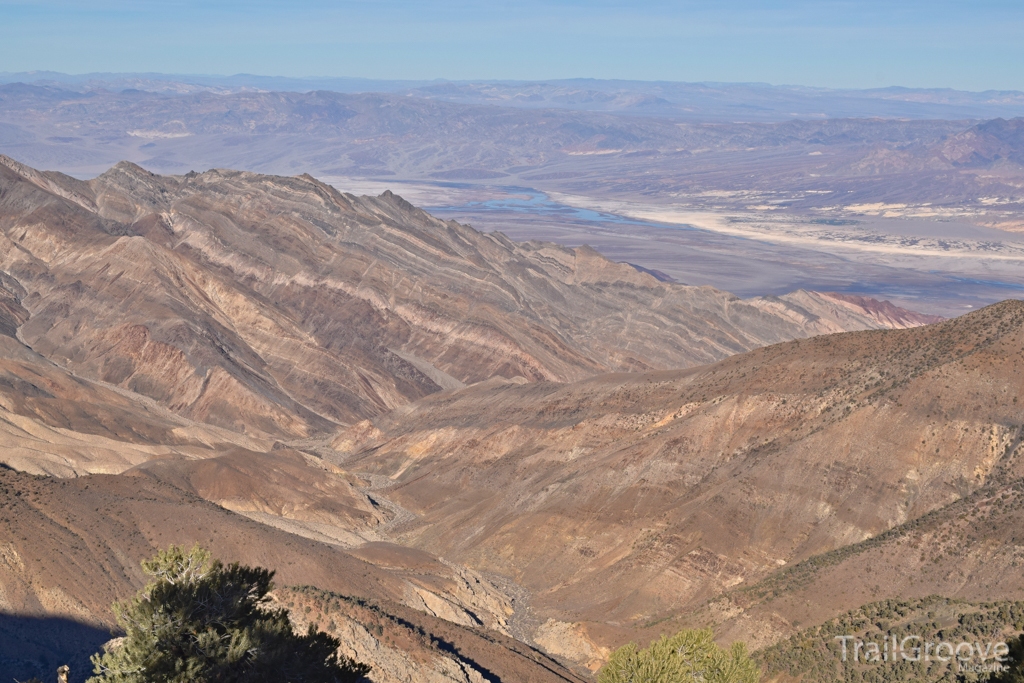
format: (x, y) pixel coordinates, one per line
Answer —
(1015, 663)
(199, 621)
(690, 655)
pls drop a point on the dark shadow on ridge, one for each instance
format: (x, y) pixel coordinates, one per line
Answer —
(36, 646)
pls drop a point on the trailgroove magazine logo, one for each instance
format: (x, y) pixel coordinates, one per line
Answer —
(974, 657)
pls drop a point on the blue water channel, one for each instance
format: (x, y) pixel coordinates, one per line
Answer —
(539, 204)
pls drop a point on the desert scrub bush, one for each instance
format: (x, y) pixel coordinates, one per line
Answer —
(200, 621)
(814, 655)
(1014, 672)
(690, 655)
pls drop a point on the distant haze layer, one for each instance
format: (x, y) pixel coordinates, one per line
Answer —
(701, 101)
(889, 202)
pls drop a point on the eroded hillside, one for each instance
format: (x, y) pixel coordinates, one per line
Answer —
(517, 438)
(69, 547)
(626, 499)
(281, 307)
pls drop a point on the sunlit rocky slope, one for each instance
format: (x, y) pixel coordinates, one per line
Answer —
(762, 494)
(280, 307)
(626, 500)
(526, 441)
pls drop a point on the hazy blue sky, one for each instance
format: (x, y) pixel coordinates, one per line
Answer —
(853, 43)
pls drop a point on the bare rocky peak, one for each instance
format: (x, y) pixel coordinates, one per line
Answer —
(280, 306)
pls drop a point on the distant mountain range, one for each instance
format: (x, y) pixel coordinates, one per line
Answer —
(801, 164)
(706, 101)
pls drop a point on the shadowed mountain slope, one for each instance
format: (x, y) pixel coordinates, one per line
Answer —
(36, 646)
(279, 306)
(624, 499)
